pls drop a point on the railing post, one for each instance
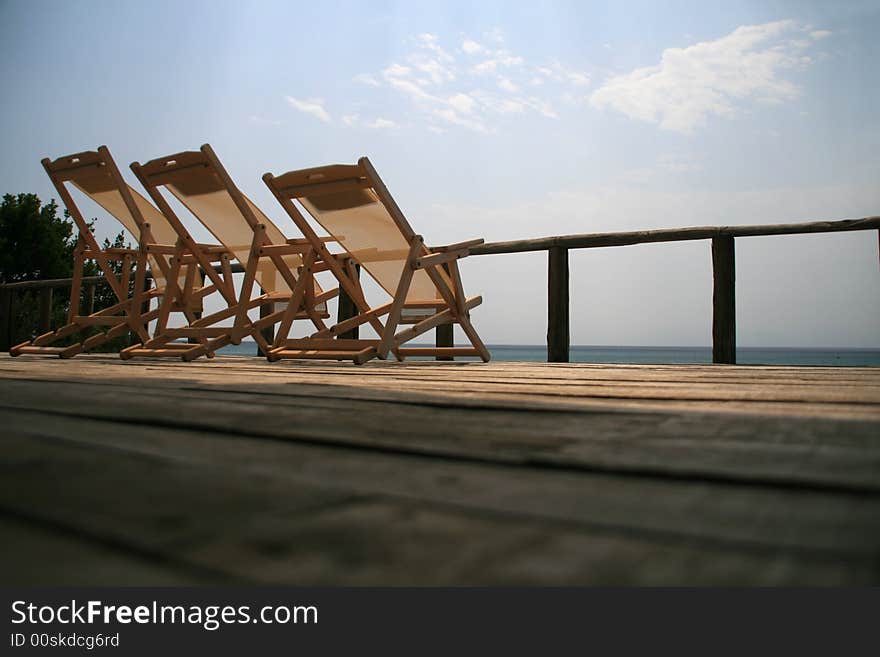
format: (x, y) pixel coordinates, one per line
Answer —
(444, 334)
(723, 300)
(134, 338)
(90, 298)
(557, 305)
(269, 332)
(347, 310)
(5, 318)
(45, 309)
(196, 313)
(444, 338)
(148, 285)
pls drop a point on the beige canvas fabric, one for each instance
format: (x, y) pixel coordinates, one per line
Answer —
(202, 192)
(368, 232)
(101, 188)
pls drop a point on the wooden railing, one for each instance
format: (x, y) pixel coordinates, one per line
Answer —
(46, 289)
(723, 269)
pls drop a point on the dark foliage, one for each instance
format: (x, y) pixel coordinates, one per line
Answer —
(37, 244)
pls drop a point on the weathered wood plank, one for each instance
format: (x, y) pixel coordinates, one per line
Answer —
(535, 371)
(781, 451)
(856, 391)
(418, 386)
(532, 492)
(531, 386)
(41, 554)
(278, 529)
(448, 473)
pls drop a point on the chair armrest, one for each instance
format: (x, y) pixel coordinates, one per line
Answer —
(455, 247)
(441, 254)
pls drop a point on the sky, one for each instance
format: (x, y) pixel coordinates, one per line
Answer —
(507, 120)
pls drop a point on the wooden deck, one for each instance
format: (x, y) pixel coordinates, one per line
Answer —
(301, 473)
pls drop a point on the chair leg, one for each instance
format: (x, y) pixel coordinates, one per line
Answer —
(473, 336)
(399, 299)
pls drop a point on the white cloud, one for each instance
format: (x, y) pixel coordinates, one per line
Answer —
(486, 66)
(449, 115)
(437, 72)
(398, 77)
(506, 59)
(313, 106)
(472, 47)
(497, 59)
(396, 70)
(711, 78)
(458, 93)
(461, 103)
(429, 42)
(579, 79)
(507, 85)
(556, 72)
(381, 124)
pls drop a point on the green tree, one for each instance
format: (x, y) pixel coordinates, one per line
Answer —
(36, 244)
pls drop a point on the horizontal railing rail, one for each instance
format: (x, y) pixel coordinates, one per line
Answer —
(597, 240)
(723, 270)
(50, 283)
(557, 247)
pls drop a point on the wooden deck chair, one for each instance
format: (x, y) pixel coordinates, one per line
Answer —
(353, 205)
(95, 174)
(200, 182)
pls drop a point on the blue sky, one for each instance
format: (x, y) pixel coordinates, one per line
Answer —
(507, 120)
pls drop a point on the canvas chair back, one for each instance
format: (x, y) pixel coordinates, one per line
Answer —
(94, 173)
(352, 204)
(194, 180)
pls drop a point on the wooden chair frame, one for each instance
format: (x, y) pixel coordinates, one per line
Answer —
(451, 306)
(302, 304)
(131, 312)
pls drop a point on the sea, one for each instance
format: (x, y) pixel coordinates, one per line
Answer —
(661, 355)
